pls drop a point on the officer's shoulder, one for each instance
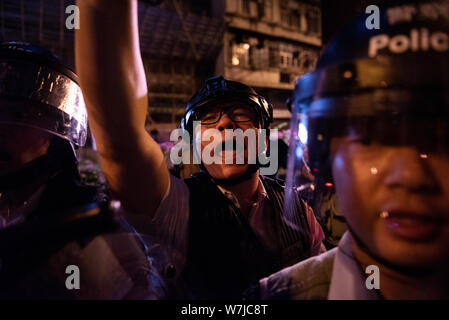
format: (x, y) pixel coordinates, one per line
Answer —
(308, 279)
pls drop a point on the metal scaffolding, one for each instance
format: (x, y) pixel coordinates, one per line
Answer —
(170, 40)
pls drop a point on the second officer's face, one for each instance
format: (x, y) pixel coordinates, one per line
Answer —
(396, 200)
(20, 145)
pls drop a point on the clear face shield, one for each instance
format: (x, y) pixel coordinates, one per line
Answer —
(299, 179)
(372, 124)
(385, 155)
(40, 97)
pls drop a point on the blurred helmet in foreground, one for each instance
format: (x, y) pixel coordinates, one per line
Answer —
(39, 91)
(386, 87)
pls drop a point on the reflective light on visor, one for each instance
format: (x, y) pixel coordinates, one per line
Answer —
(302, 133)
(299, 152)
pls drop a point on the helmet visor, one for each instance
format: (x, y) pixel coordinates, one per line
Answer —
(42, 98)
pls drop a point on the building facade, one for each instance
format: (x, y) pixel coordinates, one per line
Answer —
(266, 44)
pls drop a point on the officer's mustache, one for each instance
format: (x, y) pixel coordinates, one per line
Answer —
(230, 145)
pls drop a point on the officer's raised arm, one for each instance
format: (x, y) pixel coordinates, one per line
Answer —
(114, 86)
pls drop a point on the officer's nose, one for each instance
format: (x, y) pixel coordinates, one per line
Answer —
(226, 123)
(411, 170)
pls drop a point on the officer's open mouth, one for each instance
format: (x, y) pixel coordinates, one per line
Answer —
(424, 217)
(414, 226)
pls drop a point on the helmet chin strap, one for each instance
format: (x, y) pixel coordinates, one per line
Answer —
(252, 169)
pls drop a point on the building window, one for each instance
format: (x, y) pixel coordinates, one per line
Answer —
(284, 16)
(295, 19)
(290, 14)
(268, 11)
(246, 7)
(261, 9)
(273, 54)
(296, 59)
(313, 21)
(240, 55)
(285, 77)
(286, 59)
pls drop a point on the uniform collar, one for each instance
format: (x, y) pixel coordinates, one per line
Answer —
(348, 281)
(261, 194)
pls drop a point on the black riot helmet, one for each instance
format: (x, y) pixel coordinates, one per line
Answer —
(39, 91)
(388, 86)
(218, 90)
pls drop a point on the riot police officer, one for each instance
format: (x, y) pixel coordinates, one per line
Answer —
(222, 227)
(377, 114)
(59, 239)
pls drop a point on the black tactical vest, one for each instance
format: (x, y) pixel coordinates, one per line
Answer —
(224, 255)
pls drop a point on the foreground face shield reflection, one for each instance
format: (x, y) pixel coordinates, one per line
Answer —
(390, 172)
(395, 198)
